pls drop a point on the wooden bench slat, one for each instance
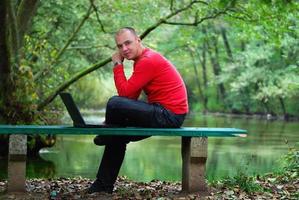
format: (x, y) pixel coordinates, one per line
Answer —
(66, 129)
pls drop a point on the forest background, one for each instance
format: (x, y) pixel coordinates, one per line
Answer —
(235, 56)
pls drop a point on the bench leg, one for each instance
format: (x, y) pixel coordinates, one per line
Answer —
(194, 155)
(17, 163)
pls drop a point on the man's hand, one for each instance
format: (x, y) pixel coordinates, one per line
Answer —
(117, 58)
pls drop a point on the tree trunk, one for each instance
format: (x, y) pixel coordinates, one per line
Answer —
(26, 10)
(243, 45)
(246, 103)
(15, 22)
(196, 75)
(204, 76)
(216, 69)
(226, 45)
(6, 80)
(284, 111)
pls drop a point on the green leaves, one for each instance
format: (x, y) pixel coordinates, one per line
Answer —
(262, 35)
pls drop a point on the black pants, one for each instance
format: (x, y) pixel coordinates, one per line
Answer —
(127, 112)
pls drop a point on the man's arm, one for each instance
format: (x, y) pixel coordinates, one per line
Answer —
(142, 74)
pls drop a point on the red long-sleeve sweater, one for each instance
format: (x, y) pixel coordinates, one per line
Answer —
(158, 78)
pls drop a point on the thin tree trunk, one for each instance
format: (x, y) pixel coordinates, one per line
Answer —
(266, 107)
(217, 69)
(196, 75)
(243, 46)
(281, 100)
(284, 111)
(13, 37)
(246, 103)
(245, 100)
(226, 45)
(204, 76)
(26, 10)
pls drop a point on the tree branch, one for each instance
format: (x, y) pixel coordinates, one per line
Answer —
(97, 15)
(162, 20)
(91, 47)
(66, 84)
(196, 20)
(171, 5)
(47, 68)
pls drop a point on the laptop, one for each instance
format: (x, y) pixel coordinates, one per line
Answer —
(75, 114)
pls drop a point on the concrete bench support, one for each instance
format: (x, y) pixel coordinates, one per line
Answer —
(194, 155)
(17, 163)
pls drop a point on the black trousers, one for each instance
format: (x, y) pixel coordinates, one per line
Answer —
(122, 111)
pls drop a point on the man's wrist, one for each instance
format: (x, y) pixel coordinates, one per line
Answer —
(117, 63)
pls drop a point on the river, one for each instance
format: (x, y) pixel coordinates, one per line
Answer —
(159, 157)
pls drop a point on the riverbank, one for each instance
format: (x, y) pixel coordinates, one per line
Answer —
(283, 185)
(259, 116)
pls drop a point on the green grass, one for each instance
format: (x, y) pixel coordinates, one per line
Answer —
(251, 184)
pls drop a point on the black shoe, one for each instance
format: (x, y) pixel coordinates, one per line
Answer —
(98, 186)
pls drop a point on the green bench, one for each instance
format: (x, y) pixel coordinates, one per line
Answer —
(194, 148)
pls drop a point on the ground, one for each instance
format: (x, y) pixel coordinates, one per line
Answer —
(269, 187)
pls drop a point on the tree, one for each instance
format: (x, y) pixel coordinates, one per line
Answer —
(15, 17)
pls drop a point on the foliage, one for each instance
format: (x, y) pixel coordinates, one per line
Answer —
(271, 182)
(89, 95)
(244, 182)
(291, 162)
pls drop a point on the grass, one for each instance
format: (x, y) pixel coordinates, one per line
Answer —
(253, 184)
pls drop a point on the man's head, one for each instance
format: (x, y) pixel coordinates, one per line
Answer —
(128, 43)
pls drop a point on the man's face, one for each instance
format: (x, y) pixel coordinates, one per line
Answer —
(128, 44)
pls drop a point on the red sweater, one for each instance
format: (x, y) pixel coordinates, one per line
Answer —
(158, 78)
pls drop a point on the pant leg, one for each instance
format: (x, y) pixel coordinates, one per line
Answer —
(111, 162)
(113, 157)
(127, 112)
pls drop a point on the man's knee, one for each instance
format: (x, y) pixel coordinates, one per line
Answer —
(112, 102)
(115, 102)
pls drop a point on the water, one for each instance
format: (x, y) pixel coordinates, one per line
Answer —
(160, 158)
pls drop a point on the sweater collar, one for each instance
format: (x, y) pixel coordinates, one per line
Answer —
(142, 54)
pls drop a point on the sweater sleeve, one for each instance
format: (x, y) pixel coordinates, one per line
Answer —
(131, 88)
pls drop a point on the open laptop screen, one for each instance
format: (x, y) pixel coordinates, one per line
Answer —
(72, 109)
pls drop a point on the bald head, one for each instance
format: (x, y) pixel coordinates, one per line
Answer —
(124, 29)
(128, 43)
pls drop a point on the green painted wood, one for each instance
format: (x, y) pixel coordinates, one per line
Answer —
(68, 130)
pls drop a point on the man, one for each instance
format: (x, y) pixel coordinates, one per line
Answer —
(166, 104)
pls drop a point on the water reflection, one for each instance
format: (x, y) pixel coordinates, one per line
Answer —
(41, 168)
(259, 153)
(160, 157)
(36, 167)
